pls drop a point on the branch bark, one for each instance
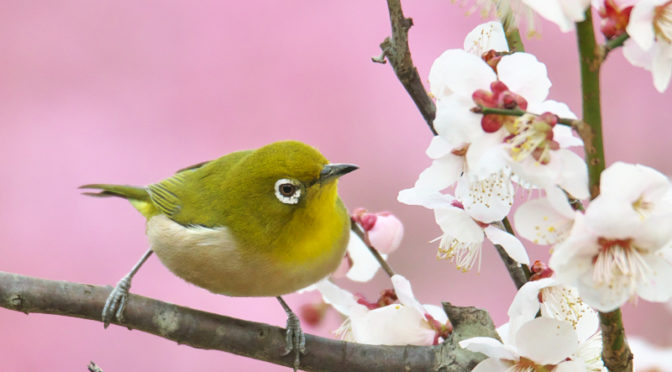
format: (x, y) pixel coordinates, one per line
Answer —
(204, 330)
(395, 49)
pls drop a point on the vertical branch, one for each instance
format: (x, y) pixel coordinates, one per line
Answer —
(615, 351)
(395, 49)
(590, 59)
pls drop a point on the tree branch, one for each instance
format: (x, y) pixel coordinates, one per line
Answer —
(204, 330)
(395, 49)
(615, 351)
(519, 273)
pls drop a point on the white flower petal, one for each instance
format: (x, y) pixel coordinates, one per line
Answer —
(558, 108)
(525, 305)
(636, 55)
(661, 66)
(491, 365)
(657, 287)
(455, 121)
(525, 75)
(458, 71)
(526, 302)
(425, 198)
(546, 340)
(537, 221)
(640, 24)
(391, 325)
(438, 148)
(574, 176)
(558, 200)
(564, 13)
(487, 200)
(631, 181)
(402, 287)
(487, 156)
(443, 173)
(342, 300)
(513, 247)
(436, 312)
(564, 136)
(485, 37)
(364, 265)
(570, 366)
(457, 223)
(488, 346)
(613, 218)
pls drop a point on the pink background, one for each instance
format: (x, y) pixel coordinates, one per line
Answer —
(127, 92)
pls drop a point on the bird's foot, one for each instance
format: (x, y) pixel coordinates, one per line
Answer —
(296, 340)
(116, 302)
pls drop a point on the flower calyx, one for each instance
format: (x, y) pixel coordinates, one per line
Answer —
(499, 97)
(614, 19)
(442, 330)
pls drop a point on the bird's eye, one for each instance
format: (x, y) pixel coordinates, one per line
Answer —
(288, 191)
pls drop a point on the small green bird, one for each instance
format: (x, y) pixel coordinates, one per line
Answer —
(262, 222)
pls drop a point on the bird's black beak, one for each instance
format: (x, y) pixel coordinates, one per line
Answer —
(333, 171)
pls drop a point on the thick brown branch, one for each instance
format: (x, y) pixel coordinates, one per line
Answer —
(395, 49)
(210, 331)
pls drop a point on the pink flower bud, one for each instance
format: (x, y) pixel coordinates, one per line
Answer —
(386, 234)
(384, 230)
(312, 314)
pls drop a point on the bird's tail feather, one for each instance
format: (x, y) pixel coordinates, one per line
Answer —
(138, 196)
(122, 191)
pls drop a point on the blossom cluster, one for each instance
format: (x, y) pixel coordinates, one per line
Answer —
(498, 134)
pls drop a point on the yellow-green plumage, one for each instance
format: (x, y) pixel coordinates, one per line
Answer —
(222, 226)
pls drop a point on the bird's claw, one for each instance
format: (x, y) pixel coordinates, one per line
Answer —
(116, 302)
(296, 340)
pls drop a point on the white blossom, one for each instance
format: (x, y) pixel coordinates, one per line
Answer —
(650, 43)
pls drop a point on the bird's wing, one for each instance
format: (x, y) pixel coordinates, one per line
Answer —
(190, 196)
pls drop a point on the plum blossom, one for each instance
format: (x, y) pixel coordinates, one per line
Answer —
(563, 13)
(564, 338)
(650, 43)
(465, 222)
(538, 342)
(387, 323)
(478, 145)
(622, 247)
(543, 294)
(546, 220)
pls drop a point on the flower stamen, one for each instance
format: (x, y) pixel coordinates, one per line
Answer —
(619, 259)
(662, 21)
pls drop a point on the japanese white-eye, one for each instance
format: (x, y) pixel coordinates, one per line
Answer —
(262, 222)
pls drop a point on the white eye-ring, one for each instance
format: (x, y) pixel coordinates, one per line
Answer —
(288, 191)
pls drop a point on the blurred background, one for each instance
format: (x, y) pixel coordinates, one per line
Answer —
(128, 92)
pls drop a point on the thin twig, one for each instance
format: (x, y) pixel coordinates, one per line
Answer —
(612, 44)
(519, 273)
(395, 49)
(204, 330)
(365, 238)
(584, 130)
